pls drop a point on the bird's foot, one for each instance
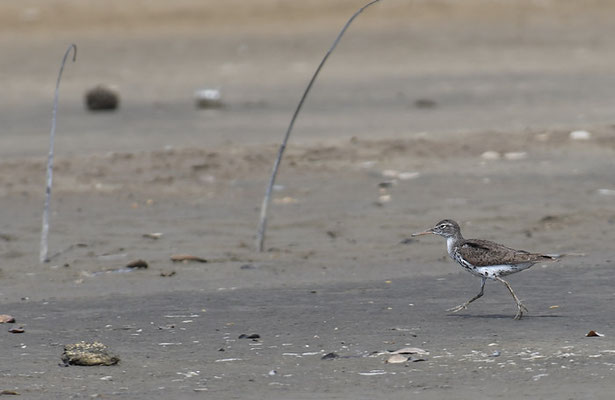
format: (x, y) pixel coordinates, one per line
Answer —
(520, 309)
(458, 308)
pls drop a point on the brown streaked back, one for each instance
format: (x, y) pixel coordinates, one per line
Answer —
(481, 253)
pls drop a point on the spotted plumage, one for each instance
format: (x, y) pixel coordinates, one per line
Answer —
(485, 259)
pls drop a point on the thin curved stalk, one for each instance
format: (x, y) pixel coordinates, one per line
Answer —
(52, 134)
(262, 226)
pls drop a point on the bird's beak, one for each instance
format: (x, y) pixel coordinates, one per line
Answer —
(427, 232)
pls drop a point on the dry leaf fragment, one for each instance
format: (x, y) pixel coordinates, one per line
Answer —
(8, 392)
(186, 258)
(593, 333)
(17, 330)
(6, 319)
(552, 307)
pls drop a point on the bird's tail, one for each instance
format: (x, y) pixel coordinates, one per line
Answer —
(555, 257)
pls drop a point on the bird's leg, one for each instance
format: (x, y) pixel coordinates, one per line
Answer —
(520, 306)
(478, 296)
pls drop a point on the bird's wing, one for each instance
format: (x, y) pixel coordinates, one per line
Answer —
(483, 252)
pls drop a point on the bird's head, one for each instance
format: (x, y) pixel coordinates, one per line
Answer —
(446, 228)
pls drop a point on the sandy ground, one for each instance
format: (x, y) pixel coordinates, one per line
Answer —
(367, 166)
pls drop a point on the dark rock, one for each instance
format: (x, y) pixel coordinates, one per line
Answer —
(102, 98)
(137, 264)
(250, 336)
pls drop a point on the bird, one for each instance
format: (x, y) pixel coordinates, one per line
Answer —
(485, 259)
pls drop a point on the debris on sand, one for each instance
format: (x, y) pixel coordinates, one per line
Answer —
(285, 200)
(515, 155)
(187, 258)
(490, 155)
(593, 333)
(397, 359)
(208, 98)
(88, 354)
(404, 355)
(425, 103)
(6, 319)
(102, 98)
(17, 330)
(137, 264)
(8, 393)
(606, 192)
(330, 356)
(410, 350)
(153, 235)
(249, 336)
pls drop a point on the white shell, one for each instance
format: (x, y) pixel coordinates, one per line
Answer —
(397, 359)
(580, 135)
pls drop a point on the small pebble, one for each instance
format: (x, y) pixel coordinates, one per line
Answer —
(425, 103)
(490, 155)
(580, 135)
(404, 176)
(154, 235)
(329, 356)
(208, 98)
(285, 200)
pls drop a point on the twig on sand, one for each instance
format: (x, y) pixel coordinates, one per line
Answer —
(45, 229)
(262, 225)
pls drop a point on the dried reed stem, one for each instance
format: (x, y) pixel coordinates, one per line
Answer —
(262, 226)
(45, 229)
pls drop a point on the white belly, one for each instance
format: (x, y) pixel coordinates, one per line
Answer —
(492, 271)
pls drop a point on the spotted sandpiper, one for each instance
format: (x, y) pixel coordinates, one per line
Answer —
(485, 259)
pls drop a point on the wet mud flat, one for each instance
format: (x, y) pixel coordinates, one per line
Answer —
(247, 343)
(496, 115)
